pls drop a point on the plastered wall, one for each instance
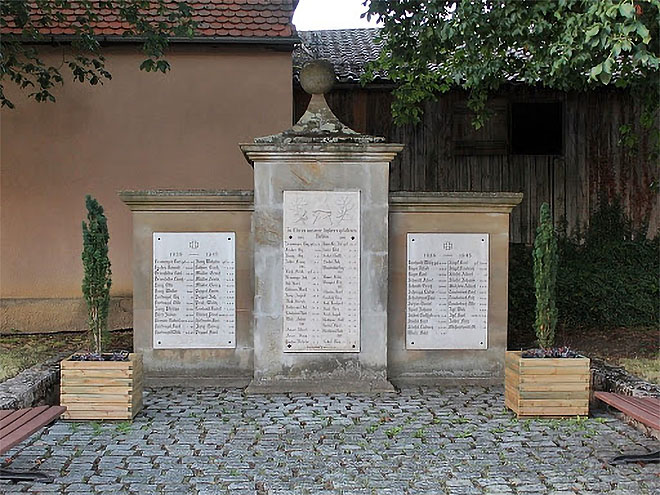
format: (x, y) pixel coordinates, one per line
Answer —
(138, 131)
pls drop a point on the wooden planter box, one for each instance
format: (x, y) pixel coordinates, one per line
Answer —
(546, 386)
(101, 389)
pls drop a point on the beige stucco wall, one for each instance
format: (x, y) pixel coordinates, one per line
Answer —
(137, 131)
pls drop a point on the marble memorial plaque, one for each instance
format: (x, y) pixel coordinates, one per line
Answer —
(194, 290)
(447, 291)
(321, 271)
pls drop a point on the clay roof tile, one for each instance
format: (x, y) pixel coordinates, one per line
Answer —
(267, 18)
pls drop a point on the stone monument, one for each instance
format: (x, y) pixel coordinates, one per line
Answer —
(320, 252)
(320, 280)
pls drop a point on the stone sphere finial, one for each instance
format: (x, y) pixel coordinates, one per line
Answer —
(317, 77)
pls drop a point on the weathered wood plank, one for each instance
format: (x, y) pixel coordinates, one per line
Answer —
(26, 422)
(643, 409)
(553, 411)
(98, 373)
(545, 386)
(551, 370)
(559, 387)
(81, 381)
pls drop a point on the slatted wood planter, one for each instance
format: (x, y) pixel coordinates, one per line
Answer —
(546, 386)
(101, 389)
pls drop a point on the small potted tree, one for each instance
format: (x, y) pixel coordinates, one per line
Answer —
(546, 381)
(98, 385)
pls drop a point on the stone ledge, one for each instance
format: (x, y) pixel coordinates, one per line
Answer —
(35, 386)
(455, 202)
(608, 378)
(286, 386)
(188, 200)
(159, 381)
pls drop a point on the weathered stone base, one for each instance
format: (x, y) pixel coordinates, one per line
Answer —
(445, 381)
(608, 378)
(35, 386)
(59, 314)
(283, 386)
(197, 381)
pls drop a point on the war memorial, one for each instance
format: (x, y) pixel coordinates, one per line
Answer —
(320, 279)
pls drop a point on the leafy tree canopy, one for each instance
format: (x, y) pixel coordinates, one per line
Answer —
(26, 26)
(431, 46)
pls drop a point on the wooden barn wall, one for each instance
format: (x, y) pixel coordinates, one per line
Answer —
(592, 163)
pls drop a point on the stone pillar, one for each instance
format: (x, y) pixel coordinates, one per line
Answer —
(319, 155)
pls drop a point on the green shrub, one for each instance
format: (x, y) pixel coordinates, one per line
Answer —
(545, 279)
(607, 276)
(96, 264)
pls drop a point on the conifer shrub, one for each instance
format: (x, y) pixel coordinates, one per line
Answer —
(545, 279)
(97, 274)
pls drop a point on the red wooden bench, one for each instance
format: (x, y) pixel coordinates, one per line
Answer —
(646, 410)
(18, 425)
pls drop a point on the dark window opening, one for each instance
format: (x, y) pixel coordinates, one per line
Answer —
(536, 128)
(491, 139)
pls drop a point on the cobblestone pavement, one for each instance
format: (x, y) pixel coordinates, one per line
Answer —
(421, 441)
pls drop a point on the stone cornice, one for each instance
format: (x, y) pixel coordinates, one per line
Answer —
(217, 200)
(455, 202)
(188, 200)
(322, 152)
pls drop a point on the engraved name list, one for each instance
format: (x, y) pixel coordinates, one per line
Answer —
(447, 291)
(321, 271)
(194, 290)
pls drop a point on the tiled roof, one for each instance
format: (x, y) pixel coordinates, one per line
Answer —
(214, 18)
(348, 50)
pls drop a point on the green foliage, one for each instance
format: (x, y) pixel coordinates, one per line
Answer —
(607, 276)
(545, 278)
(431, 46)
(96, 264)
(522, 301)
(150, 21)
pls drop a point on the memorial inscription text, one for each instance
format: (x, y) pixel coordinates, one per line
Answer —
(321, 271)
(194, 290)
(447, 291)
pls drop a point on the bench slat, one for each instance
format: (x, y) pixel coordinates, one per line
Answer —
(23, 430)
(649, 404)
(647, 407)
(20, 416)
(643, 409)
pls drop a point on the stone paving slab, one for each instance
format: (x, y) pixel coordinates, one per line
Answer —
(419, 441)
